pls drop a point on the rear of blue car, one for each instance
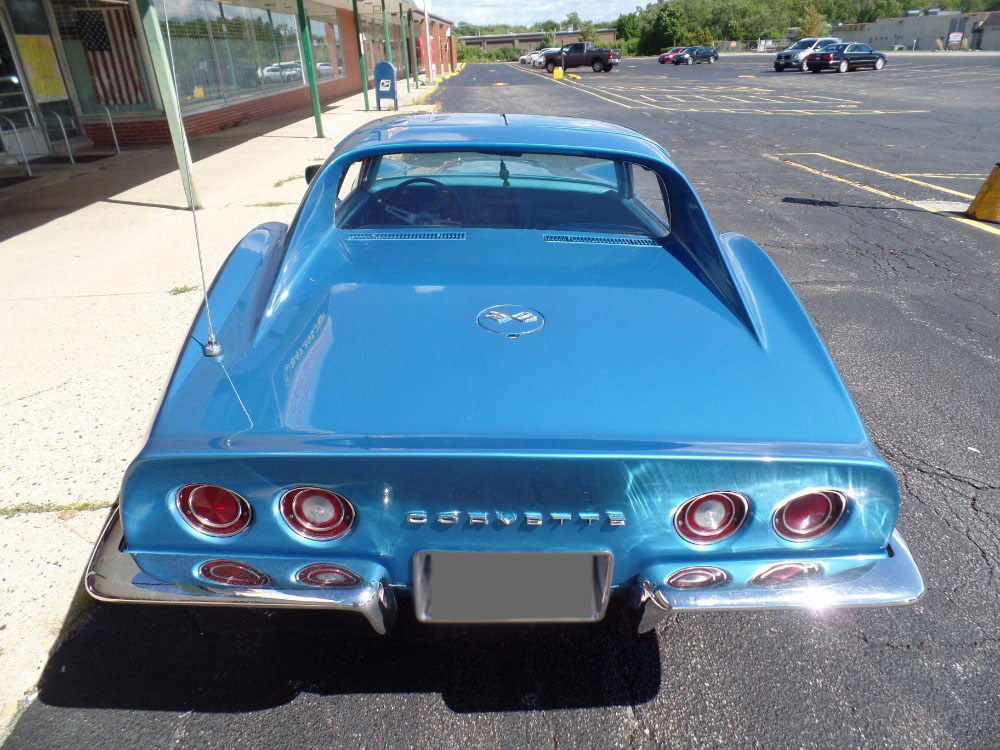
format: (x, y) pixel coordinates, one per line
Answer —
(503, 408)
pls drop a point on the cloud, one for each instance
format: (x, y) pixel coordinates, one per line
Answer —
(528, 11)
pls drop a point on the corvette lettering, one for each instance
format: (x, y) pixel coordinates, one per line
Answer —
(508, 518)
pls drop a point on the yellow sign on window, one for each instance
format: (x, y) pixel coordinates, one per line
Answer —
(41, 67)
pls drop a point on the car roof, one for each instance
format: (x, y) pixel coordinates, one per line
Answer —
(450, 131)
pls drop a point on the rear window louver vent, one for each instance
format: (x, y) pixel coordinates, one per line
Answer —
(369, 236)
(643, 241)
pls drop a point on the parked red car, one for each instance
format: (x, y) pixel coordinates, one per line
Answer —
(668, 56)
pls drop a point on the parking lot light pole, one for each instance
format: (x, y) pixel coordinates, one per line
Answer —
(406, 52)
(307, 61)
(361, 55)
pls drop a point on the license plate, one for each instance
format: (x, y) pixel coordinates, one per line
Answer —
(511, 586)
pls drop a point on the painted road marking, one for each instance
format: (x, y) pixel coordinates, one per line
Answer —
(893, 175)
(704, 96)
(545, 77)
(922, 205)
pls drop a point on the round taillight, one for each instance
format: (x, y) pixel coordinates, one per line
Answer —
(213, 510)
(804, 517)
(230, 573)
(785, 573)
(317, 514)
(326, 575)
(697, 578)
(711, 517)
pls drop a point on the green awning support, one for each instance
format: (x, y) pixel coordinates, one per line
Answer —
(385, 27)
(406, 52)
(307, 61)
(361, 55)
(168, 94)
(413, 47)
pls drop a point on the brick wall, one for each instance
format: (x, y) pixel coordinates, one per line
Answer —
(154, 130)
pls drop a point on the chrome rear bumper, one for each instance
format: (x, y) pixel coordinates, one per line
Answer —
(886, 581)
(113, 576)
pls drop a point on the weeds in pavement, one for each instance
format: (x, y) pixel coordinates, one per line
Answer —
(182, 289)
(290, 177)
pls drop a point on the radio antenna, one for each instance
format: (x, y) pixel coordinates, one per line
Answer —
(211, 347)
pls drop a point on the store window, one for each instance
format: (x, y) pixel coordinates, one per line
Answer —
(103, 56)
(41, 68)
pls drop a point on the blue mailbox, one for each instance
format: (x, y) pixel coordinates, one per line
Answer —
(385, 84)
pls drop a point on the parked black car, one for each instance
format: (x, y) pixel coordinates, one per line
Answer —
(845, 57)
(693, 55)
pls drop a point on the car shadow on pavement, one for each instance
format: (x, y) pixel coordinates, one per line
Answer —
(209, 659)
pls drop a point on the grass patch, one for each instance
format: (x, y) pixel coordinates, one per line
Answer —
(20, 508)
(182, 289)
(271, 204)
(290, 178)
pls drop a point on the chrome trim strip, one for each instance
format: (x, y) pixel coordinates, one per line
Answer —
(111, 571)
(892, 580)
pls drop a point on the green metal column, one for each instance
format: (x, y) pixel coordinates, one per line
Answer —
(361, 54)
(168, 93)
(413, 49)
(307, 61)
(406, 52)
(385, 26)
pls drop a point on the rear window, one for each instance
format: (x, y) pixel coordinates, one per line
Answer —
(552, 192)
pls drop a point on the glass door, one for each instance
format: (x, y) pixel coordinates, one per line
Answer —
(15, 105)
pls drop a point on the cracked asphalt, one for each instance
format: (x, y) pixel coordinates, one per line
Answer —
(907, 302)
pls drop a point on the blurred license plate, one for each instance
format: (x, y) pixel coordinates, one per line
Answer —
(511, 586)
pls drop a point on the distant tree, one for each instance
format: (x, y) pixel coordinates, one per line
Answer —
(812, 22)
(549, 25)
(572, 21)
(628, 26)
(702, 36)
(548, 39)
(588, 32)
(872, 10)
(663, 29)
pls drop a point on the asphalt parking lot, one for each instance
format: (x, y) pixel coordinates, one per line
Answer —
(851, 183)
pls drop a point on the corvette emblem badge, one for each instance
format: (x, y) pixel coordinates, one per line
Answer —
(511, 320)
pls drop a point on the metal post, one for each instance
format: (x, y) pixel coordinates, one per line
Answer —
(385, 29)
(361, 55)
(406, 52)
(413, 49)
(114, 135)
(307, 60)
(168, 94)
(19, 146)
(69, 149)
(427, 42)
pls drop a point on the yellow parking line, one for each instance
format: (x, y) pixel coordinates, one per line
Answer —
(953, 176)
(578, 88)
(882, 172)
(884, 194)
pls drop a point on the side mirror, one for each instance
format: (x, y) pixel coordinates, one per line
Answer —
(311, 172)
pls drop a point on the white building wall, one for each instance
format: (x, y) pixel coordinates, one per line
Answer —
(980, 31)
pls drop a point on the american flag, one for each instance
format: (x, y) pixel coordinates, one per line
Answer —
(108, 44)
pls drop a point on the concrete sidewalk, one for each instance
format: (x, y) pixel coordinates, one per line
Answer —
(98, 284)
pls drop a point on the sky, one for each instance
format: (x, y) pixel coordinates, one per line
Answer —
(527, 11)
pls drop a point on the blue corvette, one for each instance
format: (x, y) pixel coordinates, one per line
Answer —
(504, 367)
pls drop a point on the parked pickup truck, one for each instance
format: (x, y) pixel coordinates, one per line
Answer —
(580, 54)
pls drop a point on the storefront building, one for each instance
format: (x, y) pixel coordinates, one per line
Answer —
(70, 66)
